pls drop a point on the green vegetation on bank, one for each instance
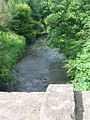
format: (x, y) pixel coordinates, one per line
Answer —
(22, 22)
(18, 26)
(67, 23)
(68, 28)
(12, 48)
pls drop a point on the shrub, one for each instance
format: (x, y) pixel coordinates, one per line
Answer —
(23, 23)
(12, 48)
(79, 68)
(44, 10)
(68, 27)
(35, 7)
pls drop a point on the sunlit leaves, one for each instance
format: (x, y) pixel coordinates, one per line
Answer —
(68, 27)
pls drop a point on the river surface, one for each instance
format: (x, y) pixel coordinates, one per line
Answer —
(40, 67)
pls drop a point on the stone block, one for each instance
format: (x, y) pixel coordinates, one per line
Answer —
(58, 103)
(20, 106)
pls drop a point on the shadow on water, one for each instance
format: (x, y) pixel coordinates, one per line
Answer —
(40, 67)
(79, 109)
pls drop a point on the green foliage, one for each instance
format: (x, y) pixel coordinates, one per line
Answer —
(44, 9)
(79, 68)
(22, 17)
(5, 15)
(23, 23)
(68, 27)
(35, 7)
(12, 3)
(39, 10)
(12, 48)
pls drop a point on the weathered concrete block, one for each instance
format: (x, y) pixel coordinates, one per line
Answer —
(20, 106)
(82, 110)
(58, 103)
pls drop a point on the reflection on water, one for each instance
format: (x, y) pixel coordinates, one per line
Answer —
(39, 68)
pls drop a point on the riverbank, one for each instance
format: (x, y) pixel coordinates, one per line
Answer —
(12, 48)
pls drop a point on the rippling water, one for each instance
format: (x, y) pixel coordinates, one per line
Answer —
(39, 68)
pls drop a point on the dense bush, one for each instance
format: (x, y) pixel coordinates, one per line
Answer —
(23, 23)
(79, 68)
(68, 27)
(35, 7)
(12, 48)
(44, 10)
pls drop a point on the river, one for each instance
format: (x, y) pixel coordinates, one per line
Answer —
(40, 67)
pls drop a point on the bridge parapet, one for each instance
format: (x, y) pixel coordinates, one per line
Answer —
(59, 102)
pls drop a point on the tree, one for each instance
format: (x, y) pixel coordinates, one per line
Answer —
(35, 7)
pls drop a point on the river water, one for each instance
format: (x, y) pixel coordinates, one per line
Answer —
(40, 67)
